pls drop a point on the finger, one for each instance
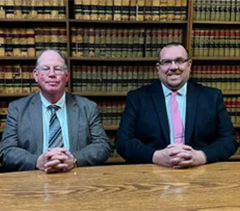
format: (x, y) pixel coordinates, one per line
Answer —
(186, 147)
(174, 152)
(62, 166)
(174, 161)
(52, 170)
(69, 155)
(57, 168)
(170, 146)
(185, 163)
(51, 163)
(54, 151)
(185, 155)
(61, 157)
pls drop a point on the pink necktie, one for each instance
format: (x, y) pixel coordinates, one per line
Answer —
(178, 129)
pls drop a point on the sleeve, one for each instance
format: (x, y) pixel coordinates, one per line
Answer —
(12, 157)
(98, 150)
(225, 144)
(128, 145)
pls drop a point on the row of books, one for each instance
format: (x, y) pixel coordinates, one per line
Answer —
(216, 42)
(30, 41)
(121, 42)
(134, 10)
(17, 79)
(226, 78)
(111, 112)
(156, 38)
(32, 9)
(220, 10)
(233, 108)
(111, 78)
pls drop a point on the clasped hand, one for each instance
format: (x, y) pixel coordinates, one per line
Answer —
(55, 160)
(179, 156)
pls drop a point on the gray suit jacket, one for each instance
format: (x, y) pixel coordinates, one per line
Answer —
(22, 141)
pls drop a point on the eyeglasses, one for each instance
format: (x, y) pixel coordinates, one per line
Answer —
(57, 70)
(168, 62)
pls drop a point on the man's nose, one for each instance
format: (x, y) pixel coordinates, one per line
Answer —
(52, 72)
(173, 65)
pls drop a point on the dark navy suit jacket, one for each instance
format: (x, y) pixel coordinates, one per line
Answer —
(144, 126)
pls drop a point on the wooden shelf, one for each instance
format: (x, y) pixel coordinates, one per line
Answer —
(215, 58)
(13, 95)
(101, 94)
(113, 160)
(231, 92)
(17, 58)
(236, 126)
(235, 157)
(113, 59)
(33, 20)
(217, 22)
(129, 22)
(110, 127)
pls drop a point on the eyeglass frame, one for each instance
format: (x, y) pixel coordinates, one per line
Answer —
(171, 61)
(46, 72)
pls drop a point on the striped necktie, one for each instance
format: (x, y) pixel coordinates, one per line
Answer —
(55, 131)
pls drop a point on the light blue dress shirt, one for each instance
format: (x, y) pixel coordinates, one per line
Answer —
(62, 116)
(181, 99)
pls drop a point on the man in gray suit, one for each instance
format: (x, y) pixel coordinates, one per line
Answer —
(81, 140)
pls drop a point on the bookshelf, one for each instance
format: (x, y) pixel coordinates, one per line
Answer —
(108, 45)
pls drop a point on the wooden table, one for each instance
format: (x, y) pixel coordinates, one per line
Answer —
(213, 187)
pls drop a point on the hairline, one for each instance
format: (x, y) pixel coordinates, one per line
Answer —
(58, 52)
(170, 45)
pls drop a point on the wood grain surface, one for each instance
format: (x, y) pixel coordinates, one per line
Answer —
(213, 187)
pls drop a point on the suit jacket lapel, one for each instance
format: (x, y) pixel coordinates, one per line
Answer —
(37, 122)
(159, 103)
(191, 110)
(73, 119)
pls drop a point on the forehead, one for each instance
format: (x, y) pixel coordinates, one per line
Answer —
(173, 52)
(50, 58)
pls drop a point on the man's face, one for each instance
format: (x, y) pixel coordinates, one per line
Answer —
(174, 74)
(51, 80)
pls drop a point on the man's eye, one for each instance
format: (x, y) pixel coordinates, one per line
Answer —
(179, 61)
(45, 69)
(167, 62)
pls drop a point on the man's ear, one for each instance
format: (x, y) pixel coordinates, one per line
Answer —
(35, 75)
(190, 62)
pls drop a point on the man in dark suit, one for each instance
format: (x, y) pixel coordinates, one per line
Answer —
(36, 136)
(147, 132)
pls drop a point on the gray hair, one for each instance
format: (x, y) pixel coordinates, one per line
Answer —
(58, 52)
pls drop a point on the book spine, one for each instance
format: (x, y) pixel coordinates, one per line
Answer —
(2, 9)
(125, 10)
(140, 10)
(109, 9)
(94, 10)
(62, 9)
(117, 10)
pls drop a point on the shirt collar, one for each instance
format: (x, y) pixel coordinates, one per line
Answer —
(46, 103)
(182, 91)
